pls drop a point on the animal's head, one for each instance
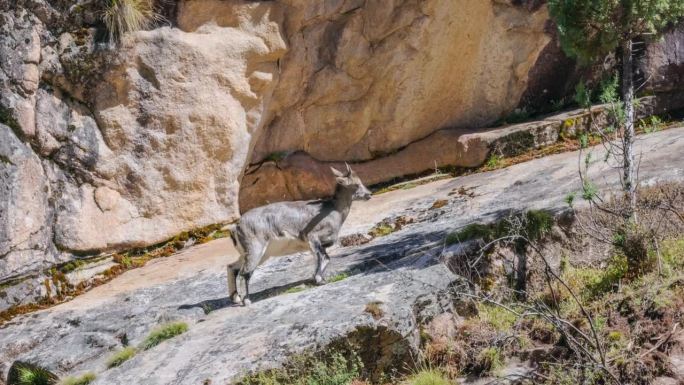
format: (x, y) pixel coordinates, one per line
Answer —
(349, 180)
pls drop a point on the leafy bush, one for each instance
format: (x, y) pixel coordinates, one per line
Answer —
(121, 356)
(163, 333)
(123, 16)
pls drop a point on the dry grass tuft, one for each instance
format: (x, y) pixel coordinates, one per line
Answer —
(123, 16)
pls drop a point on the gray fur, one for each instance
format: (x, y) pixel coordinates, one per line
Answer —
(289, 227)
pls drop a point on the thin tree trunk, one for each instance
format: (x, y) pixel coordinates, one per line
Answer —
(629, 164)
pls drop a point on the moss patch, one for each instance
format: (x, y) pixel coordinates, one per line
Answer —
(83, 379)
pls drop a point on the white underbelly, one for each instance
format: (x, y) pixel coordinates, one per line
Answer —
(284, 246)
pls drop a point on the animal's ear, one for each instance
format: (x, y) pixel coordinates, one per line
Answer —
(336, 172)
(349, 170)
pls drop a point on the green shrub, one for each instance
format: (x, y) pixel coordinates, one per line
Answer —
(163, 333)
(582, 95)
(469, 232)
(123, 16)
(308, 370)
(592, 282)
(121, 356)
(427, 377)
(538, 223)
(589, 190)
(494, 161)
(609, 92)
(489, 360)
(650, 124)
(26, 374)
(535, 224)
(496, 316)
(84, 379)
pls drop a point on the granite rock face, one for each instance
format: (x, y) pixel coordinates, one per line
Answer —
(126, 145)
(401, 273)
(119, 147)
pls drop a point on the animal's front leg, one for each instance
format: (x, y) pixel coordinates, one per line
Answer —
(322, 260)
(232, 283)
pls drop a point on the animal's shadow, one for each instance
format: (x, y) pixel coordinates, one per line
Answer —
(406, 250)
(210, 305)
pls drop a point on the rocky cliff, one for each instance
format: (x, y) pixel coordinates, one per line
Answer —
(106, 147)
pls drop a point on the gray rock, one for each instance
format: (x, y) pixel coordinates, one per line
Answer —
(24, 208)
(224, 341)
(400, 270)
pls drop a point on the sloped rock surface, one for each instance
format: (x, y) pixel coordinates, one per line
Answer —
(401, 270)
(129, 145)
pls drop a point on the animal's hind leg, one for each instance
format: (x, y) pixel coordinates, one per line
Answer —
(233, 270)
(252, 260)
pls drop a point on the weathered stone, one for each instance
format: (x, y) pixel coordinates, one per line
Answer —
(149, 138)
(378, 77)
(663, 65)
(299, 176)
(24, 209)
(400, 271)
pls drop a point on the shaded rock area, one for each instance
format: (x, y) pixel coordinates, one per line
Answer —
(401, 272)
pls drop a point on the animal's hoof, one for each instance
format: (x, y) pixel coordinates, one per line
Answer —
(320, 280)
(236, 298)
(246, 302)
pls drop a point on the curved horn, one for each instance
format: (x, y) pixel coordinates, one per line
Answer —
(336, 172)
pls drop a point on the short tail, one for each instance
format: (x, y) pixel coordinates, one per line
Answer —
(232, 231)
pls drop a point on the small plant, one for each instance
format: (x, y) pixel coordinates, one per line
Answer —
(381, 229)
(609, 90)
(26, 374)
(496, 316)
(582, 95)
(494, 161)
(276, 156)
(123, 16)
(589, 190)
(296, 289)
(537, 224)
(121, 356)
(570, 199)
(584, 140)
(338, 277)
(84, 379)
(163, 333)
(469, 232)
(489, 360)
(123, 260)
(427, 376)
(336, 369)
(557, 105)
(651, 124)
(374, 309)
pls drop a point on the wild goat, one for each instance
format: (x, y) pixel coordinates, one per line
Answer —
(289, 227)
